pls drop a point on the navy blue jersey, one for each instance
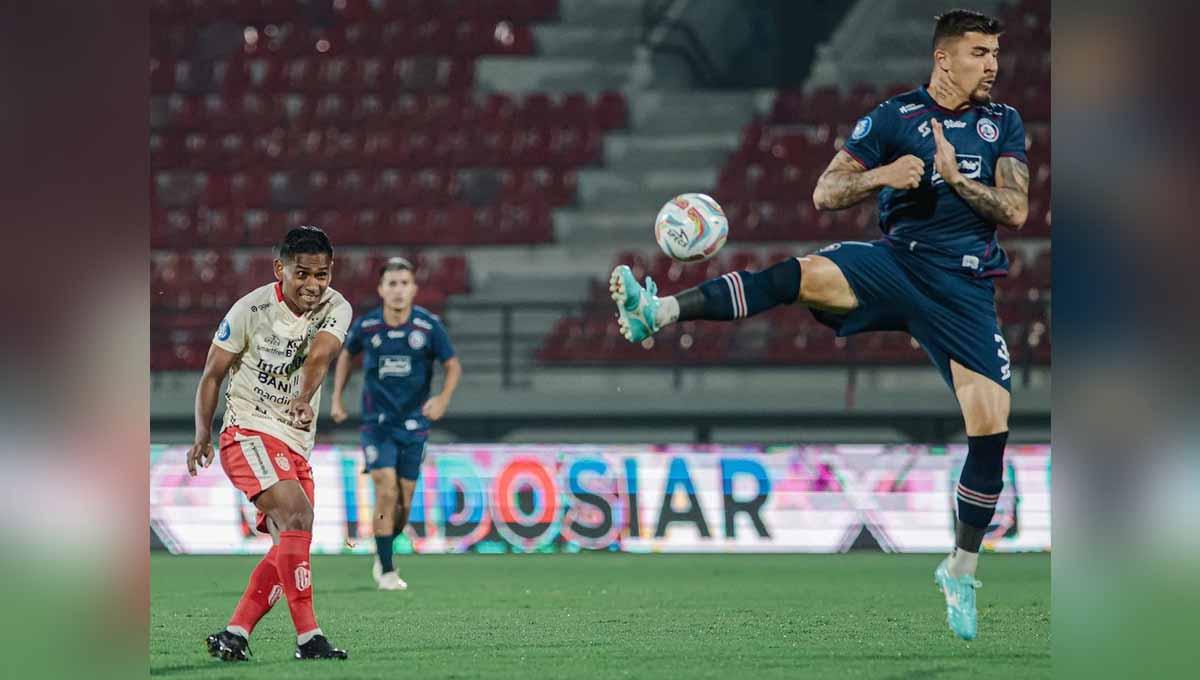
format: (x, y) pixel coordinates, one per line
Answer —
(398, 366)
(933, 214)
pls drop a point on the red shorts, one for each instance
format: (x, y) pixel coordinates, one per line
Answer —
(255, 461)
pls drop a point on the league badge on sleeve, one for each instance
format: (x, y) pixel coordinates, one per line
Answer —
(861, 128)
(987, 130)
(223, 330)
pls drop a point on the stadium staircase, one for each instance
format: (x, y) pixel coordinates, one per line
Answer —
(675, 141)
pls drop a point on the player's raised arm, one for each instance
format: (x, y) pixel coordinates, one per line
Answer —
(1007, 203)
(846, 181)
(215, 367)
(325, 347)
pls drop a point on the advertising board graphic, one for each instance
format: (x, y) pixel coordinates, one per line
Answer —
(552, 498)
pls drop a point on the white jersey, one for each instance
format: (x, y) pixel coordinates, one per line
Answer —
(271, 343)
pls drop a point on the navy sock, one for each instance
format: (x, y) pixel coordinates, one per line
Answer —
(383, 546)
(979, 488)
(740, 294)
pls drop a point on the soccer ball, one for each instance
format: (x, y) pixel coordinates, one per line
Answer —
(691, 228)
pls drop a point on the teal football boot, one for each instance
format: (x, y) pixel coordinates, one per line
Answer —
(961, 615)
(636, 306)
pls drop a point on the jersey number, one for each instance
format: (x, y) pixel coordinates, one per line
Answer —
(1002, 352)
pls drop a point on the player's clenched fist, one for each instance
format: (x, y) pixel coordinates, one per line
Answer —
(200, 455)
(338, 412)
(905, 172)
(301, 413)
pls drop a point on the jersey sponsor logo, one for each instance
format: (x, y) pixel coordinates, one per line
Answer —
(393, 335)
(423, 324)
(282, 461)
(987, 130)
(861, 128)
(951, 123)
(970, 262)
(367, 323)
(911, 107)
(395, 366)
(223, 331)
(417, 340)
(970, 165)
(376, 341)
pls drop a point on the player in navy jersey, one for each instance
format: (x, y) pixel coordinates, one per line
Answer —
(401, 343)
(949, 166)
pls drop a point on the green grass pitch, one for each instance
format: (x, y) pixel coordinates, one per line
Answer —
(868, 615)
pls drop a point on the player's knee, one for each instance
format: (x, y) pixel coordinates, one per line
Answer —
(823, 285)
(990, 421)
(987, 413)
(386, 494)
(295, 517)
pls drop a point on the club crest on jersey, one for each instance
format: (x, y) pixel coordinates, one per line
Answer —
(223, 330)
(417, 339)
(861, 128)
(987, 130)
(282, 461)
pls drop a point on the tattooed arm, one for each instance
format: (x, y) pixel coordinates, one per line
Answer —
(1006, 203)
(846, 182)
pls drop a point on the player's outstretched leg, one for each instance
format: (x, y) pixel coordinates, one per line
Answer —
(731, 296)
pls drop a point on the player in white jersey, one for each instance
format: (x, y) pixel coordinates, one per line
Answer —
(276, 344)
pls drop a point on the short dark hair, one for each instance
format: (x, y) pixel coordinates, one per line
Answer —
(396, 264)
(958, 22)
(304, 240)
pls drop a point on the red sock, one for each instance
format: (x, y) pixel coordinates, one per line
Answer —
(262, 592)
(296, 575)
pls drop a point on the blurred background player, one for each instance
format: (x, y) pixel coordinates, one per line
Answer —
(949, 166)
(401, 342)
(276, 344)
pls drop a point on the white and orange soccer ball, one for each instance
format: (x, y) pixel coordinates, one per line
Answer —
(691, 228)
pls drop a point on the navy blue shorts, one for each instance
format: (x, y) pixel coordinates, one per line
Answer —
(384, 449)
(952, 314)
